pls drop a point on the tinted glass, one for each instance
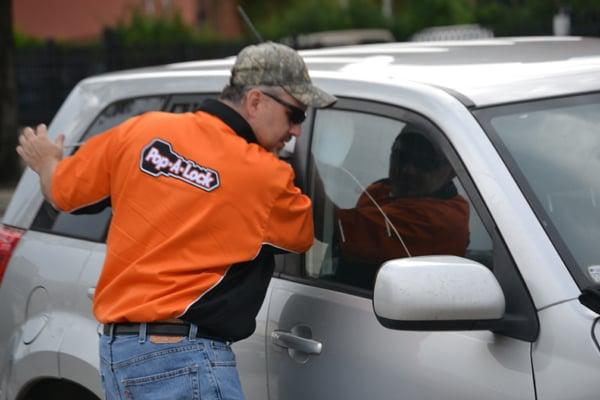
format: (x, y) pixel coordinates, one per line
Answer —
(121, 110)
(383, 190)
(553, 149)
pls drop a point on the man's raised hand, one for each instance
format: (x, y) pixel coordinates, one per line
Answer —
(37, 150)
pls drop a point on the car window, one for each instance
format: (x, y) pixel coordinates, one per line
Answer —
(92, 223)
(382, 189)
(552, 147)
(121, 110)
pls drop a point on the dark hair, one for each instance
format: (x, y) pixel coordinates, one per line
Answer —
(413, 147)
(234, 93)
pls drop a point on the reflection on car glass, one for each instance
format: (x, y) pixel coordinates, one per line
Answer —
(565, 199)
(121, 110)
(182, 107)
(555, 147)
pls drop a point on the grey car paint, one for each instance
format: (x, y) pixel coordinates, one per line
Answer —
(565, 358)
(362, 359)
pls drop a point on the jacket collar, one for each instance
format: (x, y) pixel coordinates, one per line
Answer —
(230, 117)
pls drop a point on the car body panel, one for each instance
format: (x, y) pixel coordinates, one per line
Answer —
(78, 360)
(251, 356)
(565, 358)
(419, 365)
(39, 261)
(486, 71)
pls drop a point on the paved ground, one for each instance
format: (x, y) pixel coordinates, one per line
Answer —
(5, 196)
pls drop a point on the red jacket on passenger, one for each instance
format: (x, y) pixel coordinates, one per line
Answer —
(428, 225)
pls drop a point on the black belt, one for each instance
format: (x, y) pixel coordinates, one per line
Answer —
(154, 328)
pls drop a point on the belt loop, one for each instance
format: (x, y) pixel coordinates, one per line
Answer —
(193, 332)
(111, 332)
(142, 337)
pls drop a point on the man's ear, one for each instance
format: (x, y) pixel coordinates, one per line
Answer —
(252, 103)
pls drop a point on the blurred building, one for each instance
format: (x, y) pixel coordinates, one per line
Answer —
(85, 19)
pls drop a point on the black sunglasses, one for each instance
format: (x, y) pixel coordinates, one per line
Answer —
(296, 115)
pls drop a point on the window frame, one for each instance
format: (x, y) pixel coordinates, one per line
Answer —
(521, 319)
(484, 116)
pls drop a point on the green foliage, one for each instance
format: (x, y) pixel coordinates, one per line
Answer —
(299, 17)
(583, 6)
(414, 15)
(24, 40)
(276, 19)
(534, 17)
(320, 15)
(144, 29)
(518, 17)
(366, 14)
(261, 10)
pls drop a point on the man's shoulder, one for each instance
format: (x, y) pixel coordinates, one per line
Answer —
(266, 166)
(163, 116)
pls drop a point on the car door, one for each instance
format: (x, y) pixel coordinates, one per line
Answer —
(324, 341)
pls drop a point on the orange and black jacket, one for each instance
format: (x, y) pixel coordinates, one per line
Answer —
(199, 208)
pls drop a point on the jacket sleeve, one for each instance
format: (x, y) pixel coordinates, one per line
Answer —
(83, 179)
(290, 223)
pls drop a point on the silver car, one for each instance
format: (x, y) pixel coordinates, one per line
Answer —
(513, 315)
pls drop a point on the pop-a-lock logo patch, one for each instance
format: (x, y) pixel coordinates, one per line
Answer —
(158, 158)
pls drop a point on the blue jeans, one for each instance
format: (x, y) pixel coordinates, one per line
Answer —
(145, 367)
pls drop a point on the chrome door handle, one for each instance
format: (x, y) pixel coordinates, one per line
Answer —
(294, 342)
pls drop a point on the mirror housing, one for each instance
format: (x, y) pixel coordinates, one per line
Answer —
(437, 293)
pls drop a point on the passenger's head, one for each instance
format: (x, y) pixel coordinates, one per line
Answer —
(270, 87)
(417, 167)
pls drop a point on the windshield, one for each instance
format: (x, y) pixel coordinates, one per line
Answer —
(553, 150)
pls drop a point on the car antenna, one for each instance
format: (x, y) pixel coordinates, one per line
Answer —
(249, 24)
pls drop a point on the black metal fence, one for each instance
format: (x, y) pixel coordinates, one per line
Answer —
(583, 24)
(46, 74)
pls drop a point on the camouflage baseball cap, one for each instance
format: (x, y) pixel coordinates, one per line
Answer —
(273, 64)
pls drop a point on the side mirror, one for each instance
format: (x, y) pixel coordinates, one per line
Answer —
(437, 293)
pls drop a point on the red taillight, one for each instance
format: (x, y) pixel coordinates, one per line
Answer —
(9, 237)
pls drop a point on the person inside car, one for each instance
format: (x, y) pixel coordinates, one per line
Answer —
(415, 211)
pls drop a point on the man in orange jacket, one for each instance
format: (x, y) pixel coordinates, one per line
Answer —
(200, 204)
